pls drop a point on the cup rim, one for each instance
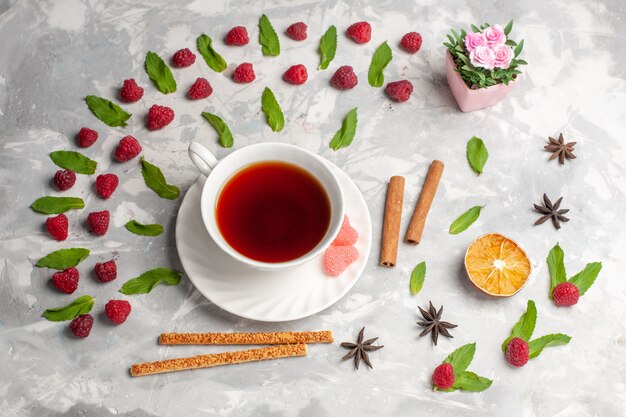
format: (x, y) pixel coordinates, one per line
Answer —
(220, 241)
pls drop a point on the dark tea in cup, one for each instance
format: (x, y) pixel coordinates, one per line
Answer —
(273, 211)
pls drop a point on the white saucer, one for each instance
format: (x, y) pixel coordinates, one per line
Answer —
(267, 296)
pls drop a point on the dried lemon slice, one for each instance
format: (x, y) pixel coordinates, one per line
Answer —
(497, 265)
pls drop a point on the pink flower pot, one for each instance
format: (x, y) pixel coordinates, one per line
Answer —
(468, 99)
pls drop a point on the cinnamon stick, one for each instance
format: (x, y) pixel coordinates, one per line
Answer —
(391, 225)
(425, 200)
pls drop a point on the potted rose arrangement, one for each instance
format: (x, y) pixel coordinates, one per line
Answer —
(482, 65)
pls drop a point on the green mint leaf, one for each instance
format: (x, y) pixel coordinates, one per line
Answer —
(382, 57)
(107, 111)
(345, 135)
(536, 346)
(63, 258)
(461, 358)
(525, 327)
(417, 278)
(465, 220)
(469, 381)
(477, 154)
(57, 205)
(211, 57)
(74, 161)
(81, 305)
(155, 180)
(328, 47)
(146, 282)
(506, 343)
(271, 108)
(585, 278)
(159, 73)
(226, 138)
(268, 37)
(144, 229)
(508, 27)
(556, 267)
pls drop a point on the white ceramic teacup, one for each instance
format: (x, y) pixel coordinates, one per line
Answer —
(219, 172)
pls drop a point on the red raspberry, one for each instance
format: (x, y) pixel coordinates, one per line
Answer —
(443, 376)
(159, 117)
(99, 222)
(127, 149)
(565, 294)
(130, 91)
(64, 179)
(237, 36)
(517, 352)
(399, 91)
(106, 271)
(117, 310)
(344, 78)
(411, 42)
(81, 325)
(183, 58)
(244, 73)
(297, 31)
(200, 89)
(360, 32)
(66, 281)
(296, 74)
(57, 226)
(106, 184)
(86, 137)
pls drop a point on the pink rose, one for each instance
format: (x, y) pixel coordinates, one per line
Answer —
(483, 56)
(474, 40)
(503, 56)
(495, 35)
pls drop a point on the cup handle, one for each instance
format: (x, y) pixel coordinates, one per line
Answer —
(202, 158)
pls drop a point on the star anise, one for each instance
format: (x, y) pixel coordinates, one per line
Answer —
(551, 211)
(560, 149)
(359, 349)
(433, 324)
